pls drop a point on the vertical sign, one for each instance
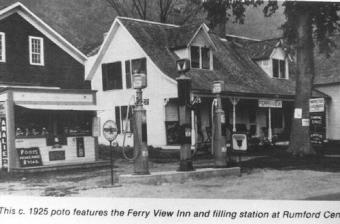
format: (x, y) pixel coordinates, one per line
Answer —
(3, 136)
(317, 120)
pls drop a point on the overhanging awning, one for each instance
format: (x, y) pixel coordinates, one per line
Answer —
(58, 107)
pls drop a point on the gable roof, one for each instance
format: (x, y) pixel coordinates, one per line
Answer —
(231, 64)
(259, 50)
(34, 20)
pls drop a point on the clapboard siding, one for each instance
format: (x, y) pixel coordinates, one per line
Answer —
(60, 68)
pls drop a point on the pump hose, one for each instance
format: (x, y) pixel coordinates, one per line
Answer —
(130, 159)
(212, 127)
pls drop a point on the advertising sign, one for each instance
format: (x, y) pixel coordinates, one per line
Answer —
(270, 103)
(29, 157)
(110, 130)
(317, 105)
(317, 128)
(3, 136)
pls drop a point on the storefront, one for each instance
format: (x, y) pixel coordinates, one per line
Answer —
(47, 127)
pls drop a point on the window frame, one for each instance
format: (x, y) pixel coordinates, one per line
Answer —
(200, 57)
(280, 75)
(121, 123)
(106, 74)
(41, 53)
(3, 45)
(130, 63)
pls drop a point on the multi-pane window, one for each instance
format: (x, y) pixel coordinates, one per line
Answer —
(112, 76)
(200, 57)
(279, 68)
(36, 50)
(123, 124)
(2, 47)
(132, 67)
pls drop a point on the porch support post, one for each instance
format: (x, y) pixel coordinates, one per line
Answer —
(234, 101)
(270, 134)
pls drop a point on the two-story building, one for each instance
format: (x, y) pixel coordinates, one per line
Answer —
(258, 95)
(47, 109)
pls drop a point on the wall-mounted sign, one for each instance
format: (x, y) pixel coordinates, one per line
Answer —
(270, 103)
(146, 101)
(29, 157)
(3, 136)
(56, 155)
(110, 130)
(80, 147)
(317, 105)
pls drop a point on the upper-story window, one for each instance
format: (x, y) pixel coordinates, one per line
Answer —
(279, 69)
(2, 47)
(132, 67)
(200, 57)
(36, 50)
(112, 76)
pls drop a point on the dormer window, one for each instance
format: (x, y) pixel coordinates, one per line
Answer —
(200, 57)
(279, 69)
(36, 50)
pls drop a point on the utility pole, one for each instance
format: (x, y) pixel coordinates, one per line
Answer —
(141, 163)
(219, 141)
(184, 91)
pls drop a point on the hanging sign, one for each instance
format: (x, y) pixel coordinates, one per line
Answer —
(110, 130)
(317, 105)
(270, 103)
(305, 122)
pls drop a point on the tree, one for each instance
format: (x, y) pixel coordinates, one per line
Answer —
(306, 22)
(175, 11)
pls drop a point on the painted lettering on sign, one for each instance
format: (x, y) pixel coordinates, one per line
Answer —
(270, 103)
(317, 105)
(3, 141)
(29, 157)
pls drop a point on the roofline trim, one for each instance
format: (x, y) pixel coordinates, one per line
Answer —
(47, 30)
(205, 29)
(242, 37)
(105, 45)
(148, 21)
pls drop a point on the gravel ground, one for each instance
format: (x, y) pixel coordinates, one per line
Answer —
(278, 180)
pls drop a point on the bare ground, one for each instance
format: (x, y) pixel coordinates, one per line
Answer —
(273, 176)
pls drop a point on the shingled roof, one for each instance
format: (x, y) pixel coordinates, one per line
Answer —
(259, 50)
(235, 67)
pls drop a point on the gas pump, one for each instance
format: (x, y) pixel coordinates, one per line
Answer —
(184, 90)
(218, 145)
(140, 153)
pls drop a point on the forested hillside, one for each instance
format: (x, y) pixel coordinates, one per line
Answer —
(83, 22)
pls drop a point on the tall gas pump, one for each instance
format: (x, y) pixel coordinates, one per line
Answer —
(219, 139)
(141, 154)
(184, 90)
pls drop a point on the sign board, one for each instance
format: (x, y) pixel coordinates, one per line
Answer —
(317, 105)
(298, 113)
(317, 128)
(305, 122)
(29, 157)
(3, 136)
(270, 103)
(110, 130)
(56, 155)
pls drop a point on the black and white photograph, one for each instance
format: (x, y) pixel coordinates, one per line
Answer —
(212, 100)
